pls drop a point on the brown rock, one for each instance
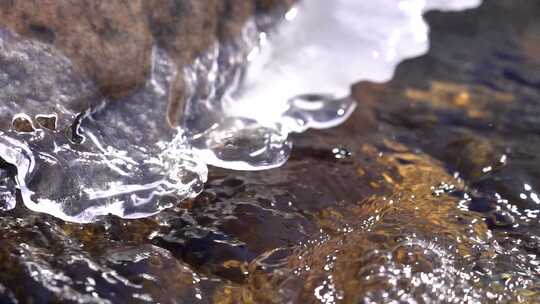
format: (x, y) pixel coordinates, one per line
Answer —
(108, 40)
(111, 41)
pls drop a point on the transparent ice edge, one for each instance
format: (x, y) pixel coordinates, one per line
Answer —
(245, 98)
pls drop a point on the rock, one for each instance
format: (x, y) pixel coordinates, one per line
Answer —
(108, 40)
(111, 41)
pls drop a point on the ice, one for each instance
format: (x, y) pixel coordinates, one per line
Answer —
(299, 76)
(246, 97)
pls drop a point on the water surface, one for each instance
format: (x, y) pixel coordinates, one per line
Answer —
(428, 193)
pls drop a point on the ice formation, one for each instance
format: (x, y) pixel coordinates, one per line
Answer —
(245, 98)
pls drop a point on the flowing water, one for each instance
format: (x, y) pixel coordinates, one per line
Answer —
(427, 193)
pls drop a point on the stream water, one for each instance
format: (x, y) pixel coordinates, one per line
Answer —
(427, 193)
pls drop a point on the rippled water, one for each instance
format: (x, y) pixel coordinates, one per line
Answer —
(428, 193)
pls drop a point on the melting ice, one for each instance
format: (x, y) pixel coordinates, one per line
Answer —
(246, 97)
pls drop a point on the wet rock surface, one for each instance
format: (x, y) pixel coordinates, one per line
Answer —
(428, 193)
